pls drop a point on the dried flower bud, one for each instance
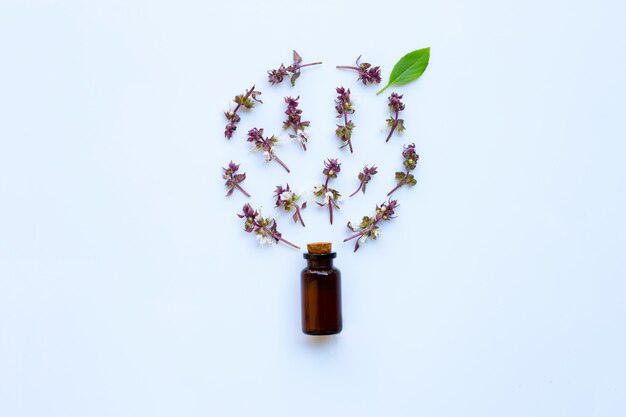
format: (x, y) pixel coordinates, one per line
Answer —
(331, 168)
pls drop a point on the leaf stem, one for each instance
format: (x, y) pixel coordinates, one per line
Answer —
(383, 89)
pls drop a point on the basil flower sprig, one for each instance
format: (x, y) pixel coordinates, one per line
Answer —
(266, 145)
(286, 199)
(410, 162)
(331, 197)
(294, 121)
(367, 73)
(344, 107)
(245, 101)
(265, 228)
(276, 76)
(364, 177)
(233, 179)
(369, 225)
(396, 106)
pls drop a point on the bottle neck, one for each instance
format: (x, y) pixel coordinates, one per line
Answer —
(319, 263)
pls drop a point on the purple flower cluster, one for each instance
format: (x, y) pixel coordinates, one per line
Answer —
(287, 200)
(410, 162)
(265, 228)
(344, 107)
(266, 145)
(245, 101)
(330, 196)
(276, 76)
(367, 73)
(233, 180)
(369, 225)
(396, 106)
(294, 121)
(364, 177)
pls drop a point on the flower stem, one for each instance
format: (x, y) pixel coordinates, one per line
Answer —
(345, 117)
(286, 242)
(400, 184)
(348, 67)
(295, 131)
(242, 190)
(395, 124)
(358, 189)
(308, 65)
(330, 210)
(281, 163)
(353, 236)
(300, 216)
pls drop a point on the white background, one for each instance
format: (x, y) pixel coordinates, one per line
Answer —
(129, 288)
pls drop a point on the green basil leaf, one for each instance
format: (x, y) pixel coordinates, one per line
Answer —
(410, 67)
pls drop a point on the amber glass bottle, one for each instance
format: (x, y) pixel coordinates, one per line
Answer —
(321, 292)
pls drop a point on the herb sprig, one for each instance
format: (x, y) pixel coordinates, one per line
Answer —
(294, 121)
(265, 144)
(367, 73)
(364, 177)
(233, 180)
(344, 107)
(396, 106)
(410, 162)
(245, 101)
(265, 228)
(276, 76)
(331, 197)
(286, 199)
(369, 225)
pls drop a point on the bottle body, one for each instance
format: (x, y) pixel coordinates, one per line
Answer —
(321, 296)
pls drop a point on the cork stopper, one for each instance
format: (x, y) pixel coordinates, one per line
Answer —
(319, 247)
